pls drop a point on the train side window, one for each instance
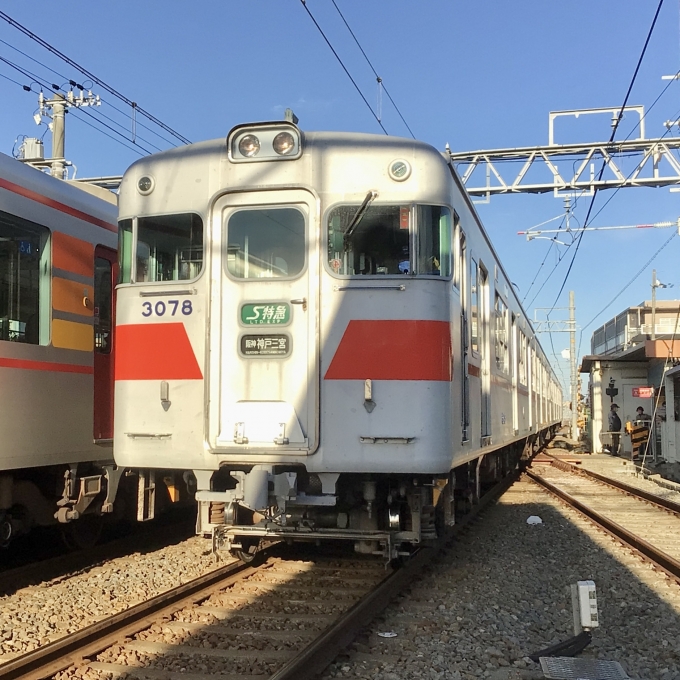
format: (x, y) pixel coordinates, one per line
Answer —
(474, 306)
(434, 240)
(378, 243)
(522, 358)
(24, 281)
(125, 251)
(169, 248)
(265, 243)
(502, 340)
(102, 305)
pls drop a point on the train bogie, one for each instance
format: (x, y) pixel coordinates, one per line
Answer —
(317, 327)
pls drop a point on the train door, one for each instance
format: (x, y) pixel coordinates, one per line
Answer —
(483, 295)
(530, 382)
(464, 338)
(105, 277)
(514, 369)
(267, 373)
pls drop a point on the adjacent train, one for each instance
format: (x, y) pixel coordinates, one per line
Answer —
(316, 327)
(58, 270)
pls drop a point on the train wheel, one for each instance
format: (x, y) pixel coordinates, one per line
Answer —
(83, 533)
(249, 554)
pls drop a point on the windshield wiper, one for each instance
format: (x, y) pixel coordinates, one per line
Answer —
(359, 214)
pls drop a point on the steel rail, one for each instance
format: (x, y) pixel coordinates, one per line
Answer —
(323, 650)
(76, 648)
(669, 564)
(621, 486)
(71, 649)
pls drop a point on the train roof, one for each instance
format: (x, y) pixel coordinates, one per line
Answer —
(34, 182)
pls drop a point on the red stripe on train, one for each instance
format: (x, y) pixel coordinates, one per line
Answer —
(51, 203)
(155, 351)
(393, 350)
(51, 366)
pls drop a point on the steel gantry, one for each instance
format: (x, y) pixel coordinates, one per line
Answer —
(572, 167)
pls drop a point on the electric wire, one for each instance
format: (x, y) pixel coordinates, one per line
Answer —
(611, 139)
(44, 84)
(89, 74)
(630, 283)
(104, 101)
(375, 73)
(337, 56)
(16, 82)
(106, 134)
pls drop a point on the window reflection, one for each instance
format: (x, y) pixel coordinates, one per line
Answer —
(266, 243)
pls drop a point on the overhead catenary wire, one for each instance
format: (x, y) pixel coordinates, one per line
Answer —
(92, 76)
(611, 139)
(106, 134)
(630, 283)
(380, 81)
(349, 75)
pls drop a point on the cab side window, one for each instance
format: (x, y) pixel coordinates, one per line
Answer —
(24, 280)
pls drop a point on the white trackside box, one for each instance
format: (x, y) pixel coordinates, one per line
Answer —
(584, 603)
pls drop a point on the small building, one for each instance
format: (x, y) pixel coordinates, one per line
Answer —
(630, 369)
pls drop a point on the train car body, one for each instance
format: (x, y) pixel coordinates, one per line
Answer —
(58, 269)
(317, 326)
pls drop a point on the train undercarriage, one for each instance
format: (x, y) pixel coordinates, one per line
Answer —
(79, 499)
(245, 509)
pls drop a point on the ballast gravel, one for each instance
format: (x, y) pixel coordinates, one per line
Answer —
(503, 592)
(38, 614)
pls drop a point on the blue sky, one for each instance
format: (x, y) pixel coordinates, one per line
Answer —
(475, 74)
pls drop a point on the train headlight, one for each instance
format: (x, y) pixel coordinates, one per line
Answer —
(249, 145)
(284, 143)
(264, 142)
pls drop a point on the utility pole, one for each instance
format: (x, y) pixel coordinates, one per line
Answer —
(653, 304)
(572, 361)
(656, 284)
(565, 326)
(55, 109)
(58, 106)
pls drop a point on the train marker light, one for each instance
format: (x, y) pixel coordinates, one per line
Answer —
(249, 146)
(145, 185)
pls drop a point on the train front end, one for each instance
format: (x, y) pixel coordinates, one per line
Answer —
(284, 334)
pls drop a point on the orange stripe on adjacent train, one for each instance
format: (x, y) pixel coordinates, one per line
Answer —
(393, 350)
(155, 351)
(72, 254)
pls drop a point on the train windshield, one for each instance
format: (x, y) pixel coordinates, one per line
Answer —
(168, 248)
(381, 242)
(265, 243)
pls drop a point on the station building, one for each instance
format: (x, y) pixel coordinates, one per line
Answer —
(635, 361)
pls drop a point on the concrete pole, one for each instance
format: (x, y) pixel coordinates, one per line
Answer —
(572, 361)
(653, 304)
(58, 105)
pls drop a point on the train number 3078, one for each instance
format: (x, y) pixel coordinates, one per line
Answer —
(170, 307)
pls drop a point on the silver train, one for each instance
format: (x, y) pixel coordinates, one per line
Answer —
(316, 327)
(58, 270)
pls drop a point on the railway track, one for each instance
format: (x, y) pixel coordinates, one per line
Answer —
(647, 523)
(282, 620)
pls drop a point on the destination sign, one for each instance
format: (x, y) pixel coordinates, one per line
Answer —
(265, 345)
